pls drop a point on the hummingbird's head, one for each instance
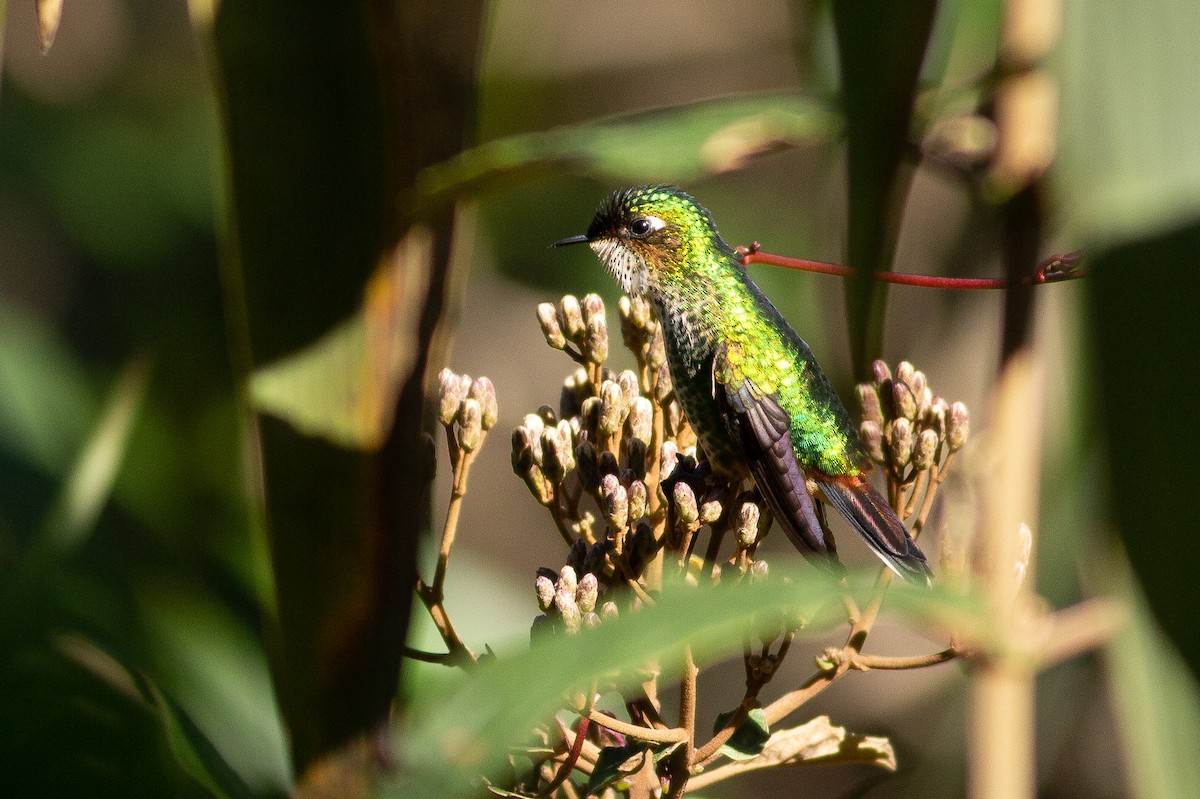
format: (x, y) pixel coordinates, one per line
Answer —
(649, 234)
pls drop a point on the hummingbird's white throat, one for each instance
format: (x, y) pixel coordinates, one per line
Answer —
(625, 265)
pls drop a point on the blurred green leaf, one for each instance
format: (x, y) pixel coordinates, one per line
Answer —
(90, 482)
(319, 389)
(1146, 343)
(215, 672)
(129, 185)
(1128, 175)
(1128, 165)
(676, 144)
(45, 398)
(473, 726)
(880, 49)
(193, 751)
(1157, 702)
(962, 45)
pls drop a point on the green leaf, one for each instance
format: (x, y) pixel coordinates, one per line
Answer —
(189, 746)
(1128, 165)
(1157, 702)
(880, 49)
(343, 388)
(1147, 342)
(749, 738)
(45, 398)
(194, 753)
(1129, 179)
(215, 672)
(679, 144)
(157, 163)
(615, 762)
(473, 725)
(318, 389)
(91, 479)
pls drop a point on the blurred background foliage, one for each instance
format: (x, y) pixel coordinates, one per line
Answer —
(145, 634)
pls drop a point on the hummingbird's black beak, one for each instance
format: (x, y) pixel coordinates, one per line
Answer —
(580, 239)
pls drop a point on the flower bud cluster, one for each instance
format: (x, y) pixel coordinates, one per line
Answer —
(467, 408)
(570, 598)
(613, 441)
(543, 452)
(905, 427)
(579, 328)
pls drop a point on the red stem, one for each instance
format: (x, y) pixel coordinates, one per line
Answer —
(1054, 269)
(568, 764)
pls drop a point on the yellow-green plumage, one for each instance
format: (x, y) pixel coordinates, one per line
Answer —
(748, 383)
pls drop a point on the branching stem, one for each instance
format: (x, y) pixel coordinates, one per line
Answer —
(433, 595)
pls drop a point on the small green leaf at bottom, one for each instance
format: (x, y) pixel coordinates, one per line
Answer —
(616, 762)
(748, 739)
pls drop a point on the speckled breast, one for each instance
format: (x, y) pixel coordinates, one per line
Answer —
(691, 374)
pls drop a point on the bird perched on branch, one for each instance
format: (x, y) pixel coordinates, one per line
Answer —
(750, 386)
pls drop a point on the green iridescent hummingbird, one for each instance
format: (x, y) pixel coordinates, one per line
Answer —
(748, 383)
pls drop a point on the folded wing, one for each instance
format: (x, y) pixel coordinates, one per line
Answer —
(761, 428)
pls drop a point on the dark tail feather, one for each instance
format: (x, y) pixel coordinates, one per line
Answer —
(871, 515)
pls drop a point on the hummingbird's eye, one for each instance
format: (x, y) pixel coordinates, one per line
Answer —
(645, 225)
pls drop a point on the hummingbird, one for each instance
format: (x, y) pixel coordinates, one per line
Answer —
(749, 385)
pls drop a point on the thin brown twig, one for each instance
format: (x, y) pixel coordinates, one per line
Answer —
(640, 592)
(461, 653)
(937, 475)
(442, 658)
(560, 523)
(649, 704)
(756, 680)
(433, 595)
(648, 734)
(921, 482)
(861, 662)
(622, 563)
(655, 508)
(716, 537)
(459, 490)
(706, 753)
(793, 700)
